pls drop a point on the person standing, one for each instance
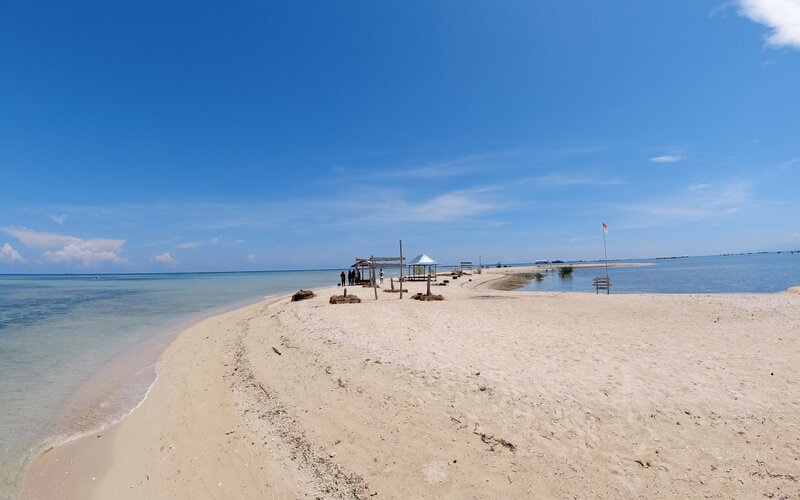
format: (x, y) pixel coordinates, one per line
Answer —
(342, 276)
(381, 276)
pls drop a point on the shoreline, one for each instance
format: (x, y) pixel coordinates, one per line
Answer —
(295, 398)
(117, 389)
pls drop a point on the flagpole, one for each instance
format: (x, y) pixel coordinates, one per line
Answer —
(605, 249)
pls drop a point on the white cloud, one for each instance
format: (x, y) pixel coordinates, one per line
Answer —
(190, 244)
(8, 254)
(781, 16)
(164, 258)
(666, 159)
(35, 239)
(88, 252)
(251, 258)
(70, 249)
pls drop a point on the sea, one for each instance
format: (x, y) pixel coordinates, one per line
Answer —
(78, 352)
(740, 273)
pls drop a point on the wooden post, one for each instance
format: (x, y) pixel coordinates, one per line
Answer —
(429, 284)
(372, 275)
(391, 282)
(401, 269)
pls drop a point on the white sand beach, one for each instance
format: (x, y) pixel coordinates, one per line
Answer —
(486, 394)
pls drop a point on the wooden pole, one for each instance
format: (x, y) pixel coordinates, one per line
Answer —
(605, 254)
(401, 269)
(372, 275)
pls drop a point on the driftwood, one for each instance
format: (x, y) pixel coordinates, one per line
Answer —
(302, 295)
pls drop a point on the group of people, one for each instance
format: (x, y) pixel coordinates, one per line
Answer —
(353, 276)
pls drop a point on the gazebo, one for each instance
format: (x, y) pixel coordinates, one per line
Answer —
(422, 266)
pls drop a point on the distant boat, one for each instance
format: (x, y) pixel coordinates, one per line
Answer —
(542, 262)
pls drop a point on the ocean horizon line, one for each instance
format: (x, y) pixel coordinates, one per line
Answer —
(322, 269)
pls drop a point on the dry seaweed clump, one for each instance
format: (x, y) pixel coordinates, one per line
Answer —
(345, 299)
(427, 297)
(302, 295)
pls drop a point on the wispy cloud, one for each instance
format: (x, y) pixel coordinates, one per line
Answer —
(450, 206)
(696, 202)
(577, 151)
(9, 254)
(443, 169)
(782, 17)
(571, 180)
(190, 244)
(789, 165)
(433, 171)
(70, 249)
(666, 159)
(58, 219)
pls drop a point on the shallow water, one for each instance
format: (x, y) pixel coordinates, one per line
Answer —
(77, 352)
(750, 273)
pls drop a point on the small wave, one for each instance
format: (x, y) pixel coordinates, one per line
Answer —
(100, 427)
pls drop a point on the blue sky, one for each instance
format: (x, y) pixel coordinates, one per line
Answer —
(212, 136)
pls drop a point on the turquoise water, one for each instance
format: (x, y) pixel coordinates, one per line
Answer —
(56, 332)
(749, 273)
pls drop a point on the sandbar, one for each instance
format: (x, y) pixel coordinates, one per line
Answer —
(488, 393)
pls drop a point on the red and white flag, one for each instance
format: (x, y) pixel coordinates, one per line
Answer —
(605, 227)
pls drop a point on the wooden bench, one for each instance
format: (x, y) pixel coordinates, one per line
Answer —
(602, 283)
